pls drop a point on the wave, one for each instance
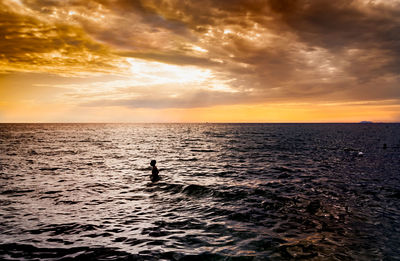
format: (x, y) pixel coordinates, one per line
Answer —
(25, 251)
(68, 228)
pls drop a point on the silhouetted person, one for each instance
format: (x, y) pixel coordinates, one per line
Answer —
(154, 171)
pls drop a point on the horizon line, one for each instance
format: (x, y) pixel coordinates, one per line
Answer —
(358, 122)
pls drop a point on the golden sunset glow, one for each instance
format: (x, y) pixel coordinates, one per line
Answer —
(199, 61)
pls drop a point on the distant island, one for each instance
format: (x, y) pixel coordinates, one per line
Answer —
(366, 122)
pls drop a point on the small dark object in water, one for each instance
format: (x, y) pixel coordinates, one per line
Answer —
(313, 207)
(384, 146)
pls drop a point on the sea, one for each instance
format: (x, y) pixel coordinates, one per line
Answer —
(227, 192)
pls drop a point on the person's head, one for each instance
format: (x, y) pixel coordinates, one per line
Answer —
(153, 163)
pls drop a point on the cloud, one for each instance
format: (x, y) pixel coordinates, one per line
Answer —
(269, 50)
(31, 44)
(370, 30)
(191, 99)
(171, 58)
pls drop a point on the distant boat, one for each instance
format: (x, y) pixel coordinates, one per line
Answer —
(366, 122)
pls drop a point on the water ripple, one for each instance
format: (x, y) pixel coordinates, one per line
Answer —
(228, 191)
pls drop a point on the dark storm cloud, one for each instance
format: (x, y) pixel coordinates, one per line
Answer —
(342, 25)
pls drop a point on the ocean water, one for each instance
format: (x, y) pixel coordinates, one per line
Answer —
(228, 192)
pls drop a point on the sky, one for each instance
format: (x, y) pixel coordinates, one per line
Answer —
(199, 61)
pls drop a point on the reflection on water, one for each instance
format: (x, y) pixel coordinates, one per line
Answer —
(269, 191)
